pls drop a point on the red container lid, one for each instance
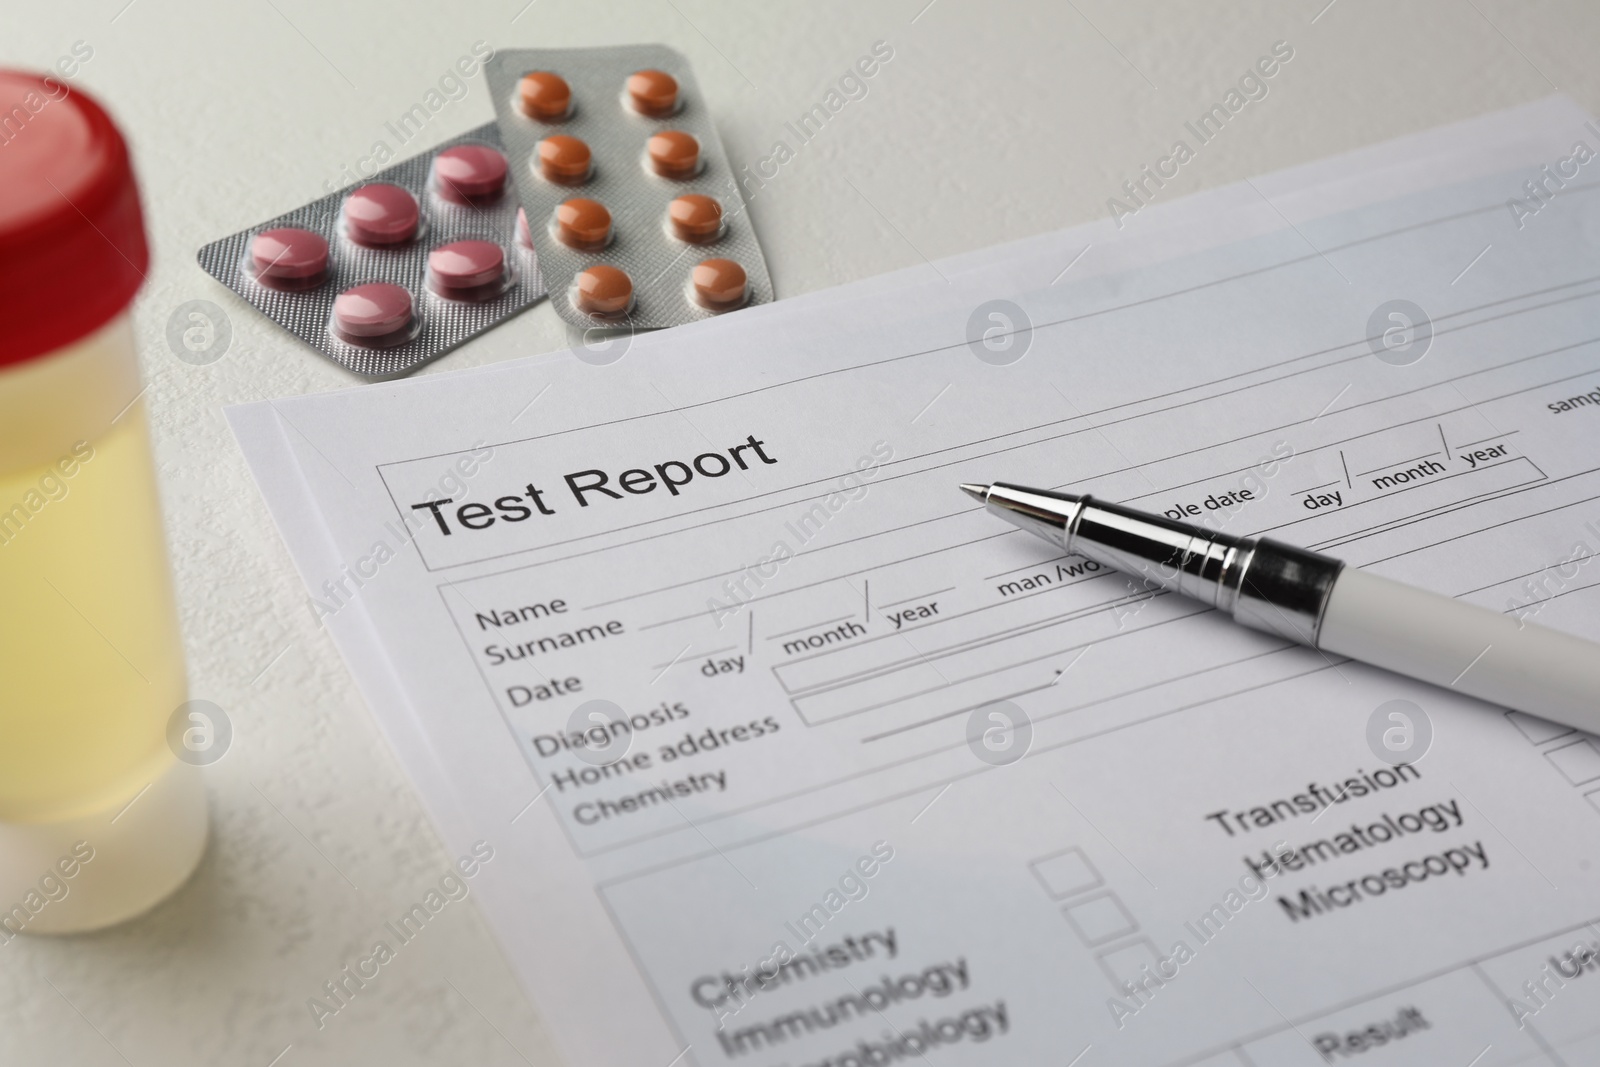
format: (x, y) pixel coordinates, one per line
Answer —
(72, 247)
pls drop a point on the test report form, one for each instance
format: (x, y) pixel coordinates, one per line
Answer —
(791, 755)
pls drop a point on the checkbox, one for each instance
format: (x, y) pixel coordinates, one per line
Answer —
(1100, 919)
(1579, 761)
(1125, 963)
(1066, 873)
(1536, 729)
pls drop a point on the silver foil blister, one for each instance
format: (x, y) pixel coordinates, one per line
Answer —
(441, 323)
(643, 245)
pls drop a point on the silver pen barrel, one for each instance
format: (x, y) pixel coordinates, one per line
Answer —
(1264, 584)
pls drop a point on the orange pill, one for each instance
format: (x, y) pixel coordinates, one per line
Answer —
(544, 96)
(653, 92)
(564, 159)
(719, 283)
(603, 290)
(695, 218)
(673, 154)
(583, 224)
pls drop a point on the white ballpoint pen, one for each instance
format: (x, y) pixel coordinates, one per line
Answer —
(1318, 601)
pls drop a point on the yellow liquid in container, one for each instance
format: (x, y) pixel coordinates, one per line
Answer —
(100, 819)
(90, 661)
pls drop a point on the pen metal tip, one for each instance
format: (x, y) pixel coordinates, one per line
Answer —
(980, 493)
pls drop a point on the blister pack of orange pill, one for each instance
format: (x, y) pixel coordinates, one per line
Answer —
(629, 196)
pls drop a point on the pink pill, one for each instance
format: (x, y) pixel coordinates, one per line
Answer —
(289, 252)
(381, 214)
(466, 264)
(469, 172)
(372, 310)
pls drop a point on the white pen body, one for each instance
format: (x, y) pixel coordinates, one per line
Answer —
(1461, 646)
(1316, 600)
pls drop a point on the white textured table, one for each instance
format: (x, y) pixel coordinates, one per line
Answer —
(992, 121)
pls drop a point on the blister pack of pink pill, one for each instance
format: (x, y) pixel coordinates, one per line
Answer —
(633, 205)
(383, 276)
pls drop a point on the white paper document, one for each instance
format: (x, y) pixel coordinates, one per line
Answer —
(791, 755)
